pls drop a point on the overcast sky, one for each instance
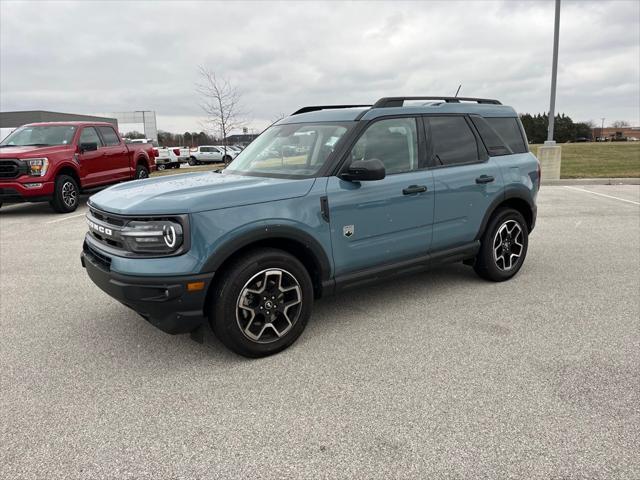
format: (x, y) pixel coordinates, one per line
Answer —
(90, 57)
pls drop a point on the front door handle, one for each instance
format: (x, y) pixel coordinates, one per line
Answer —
(411, 189)
(484, 179)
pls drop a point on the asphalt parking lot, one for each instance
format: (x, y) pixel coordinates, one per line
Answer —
(439, 375)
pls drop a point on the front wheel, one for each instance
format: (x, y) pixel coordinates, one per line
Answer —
(65, 195)
(193, 161)
(262, 303)
(161, 166)
(503, 246)
(226, 159)
(141, 172)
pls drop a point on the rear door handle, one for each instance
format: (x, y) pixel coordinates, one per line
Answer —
(411, 189)
(484, 179)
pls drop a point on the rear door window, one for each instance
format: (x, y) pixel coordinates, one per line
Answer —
(109, 136)
(452, 141)
(89, 135)
(509, 130)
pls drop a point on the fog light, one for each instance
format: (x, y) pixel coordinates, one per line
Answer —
(32, 185)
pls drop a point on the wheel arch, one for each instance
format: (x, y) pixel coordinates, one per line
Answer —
(67, 169)
(289, 239)
(518, 199)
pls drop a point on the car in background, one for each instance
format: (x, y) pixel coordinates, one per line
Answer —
(211, 154)
(171, 157)
(57, 161)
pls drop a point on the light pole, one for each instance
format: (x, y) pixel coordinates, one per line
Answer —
(602, 130)
(554, 74)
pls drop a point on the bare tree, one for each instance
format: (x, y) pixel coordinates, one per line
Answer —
(620, 124)
(221, 103)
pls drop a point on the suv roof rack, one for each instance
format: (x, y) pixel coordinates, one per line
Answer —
(388, 102)
(315, 108)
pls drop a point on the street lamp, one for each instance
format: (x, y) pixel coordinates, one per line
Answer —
(554, 74)
(602, 130)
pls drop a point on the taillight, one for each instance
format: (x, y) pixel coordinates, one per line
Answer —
(176, 151)
(156, 153)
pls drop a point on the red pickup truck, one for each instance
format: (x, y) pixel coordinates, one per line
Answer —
(56, 161)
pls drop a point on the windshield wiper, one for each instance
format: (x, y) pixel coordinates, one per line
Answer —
(35, 145)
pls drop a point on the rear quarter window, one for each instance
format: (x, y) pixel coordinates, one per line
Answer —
(508, 128)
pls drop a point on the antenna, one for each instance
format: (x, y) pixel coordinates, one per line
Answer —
(457, 91)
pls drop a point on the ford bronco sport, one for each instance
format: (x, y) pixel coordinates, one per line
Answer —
(328, 198)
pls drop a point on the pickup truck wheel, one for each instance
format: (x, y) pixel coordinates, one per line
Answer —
(161, 166)
(142, 172)
(262, 303)
(503, 246)
(192, 161)
(65, 195)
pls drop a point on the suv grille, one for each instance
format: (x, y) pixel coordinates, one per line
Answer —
(12, 168)
(112, 226)
(102, 260)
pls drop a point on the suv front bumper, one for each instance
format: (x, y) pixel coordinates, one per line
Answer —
(165, 302)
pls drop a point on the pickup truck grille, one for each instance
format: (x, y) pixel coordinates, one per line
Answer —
(12, 168)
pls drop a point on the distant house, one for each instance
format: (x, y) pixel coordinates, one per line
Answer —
(616, 133)
(243, 139)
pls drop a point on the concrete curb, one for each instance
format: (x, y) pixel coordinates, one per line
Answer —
(591, 181)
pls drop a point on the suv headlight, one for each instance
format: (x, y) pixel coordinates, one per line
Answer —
(153, 236)
(37, 167)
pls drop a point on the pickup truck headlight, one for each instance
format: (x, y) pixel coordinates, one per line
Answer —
(153, 236)
(37, 167)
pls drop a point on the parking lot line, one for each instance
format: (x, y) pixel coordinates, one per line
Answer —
(603, 195)
(65, 218)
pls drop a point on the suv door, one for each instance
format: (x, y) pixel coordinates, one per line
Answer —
(466, 180)
(384, 221)
(92, 163)
(216, 155)
(116, 155)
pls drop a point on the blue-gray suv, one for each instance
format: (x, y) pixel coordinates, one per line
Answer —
(328, 198)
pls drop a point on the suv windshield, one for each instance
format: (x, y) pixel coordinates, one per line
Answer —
(41, 136)
(297, 150)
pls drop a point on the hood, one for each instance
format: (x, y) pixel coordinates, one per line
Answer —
(27, 152)
(196, 192)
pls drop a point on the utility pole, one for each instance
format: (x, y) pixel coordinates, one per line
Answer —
(554, 74)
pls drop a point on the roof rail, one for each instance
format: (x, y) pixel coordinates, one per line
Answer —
(315, 108)
(388, 102)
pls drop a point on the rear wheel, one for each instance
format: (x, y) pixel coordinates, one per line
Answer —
(503, 246)
(142, 172)
(65, 195)
(262, 303)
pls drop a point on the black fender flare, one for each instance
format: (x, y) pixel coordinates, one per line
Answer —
(261, 233)
(511, 192)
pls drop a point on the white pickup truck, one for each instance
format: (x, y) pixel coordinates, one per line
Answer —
(171, 157)
(211, 154)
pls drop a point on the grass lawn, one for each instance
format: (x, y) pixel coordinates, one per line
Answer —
(599, 160)
(579, 160)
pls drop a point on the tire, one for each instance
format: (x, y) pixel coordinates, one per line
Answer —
(507, 233)
(193, 161)
(161, 166)
(142, 172)
(65, 194)
(226, 159)
(242, 329)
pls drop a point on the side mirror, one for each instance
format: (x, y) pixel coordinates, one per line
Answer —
(88, 147)
(364, 170)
